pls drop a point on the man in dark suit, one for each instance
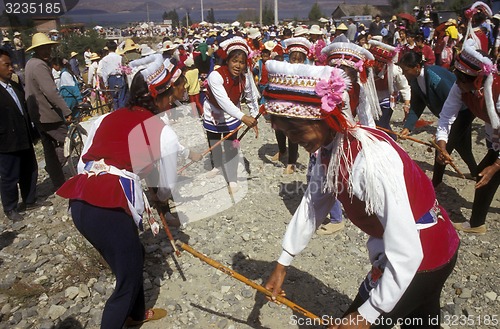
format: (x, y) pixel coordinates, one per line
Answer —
(430, 86)
(18, 164)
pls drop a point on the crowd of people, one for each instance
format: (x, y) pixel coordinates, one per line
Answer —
(327, 90)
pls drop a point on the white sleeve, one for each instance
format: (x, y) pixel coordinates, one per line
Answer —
(401, 83)
(311, 212)
(66, 79)
(216, 84)
(251, 95)
(400, 248)
(90, 76)
(364, 110)
(167, 166)
(449, 113)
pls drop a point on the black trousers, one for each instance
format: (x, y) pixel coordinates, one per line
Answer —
(18, 169)
(460, 139)
(114, 234)
(52, 137)
(228, 161)
(293, 149)
(419, 303)
(484, 196)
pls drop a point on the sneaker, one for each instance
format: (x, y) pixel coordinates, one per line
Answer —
(151, 315)
(290, 169)
(330, 228)
(13, 215)
(465, 227)
(212, 173)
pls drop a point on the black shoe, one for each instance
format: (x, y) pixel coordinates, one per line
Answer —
(13, 215)
(30, 206)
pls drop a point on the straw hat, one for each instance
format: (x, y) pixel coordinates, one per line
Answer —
(300, 31)
(40, 39)
(146, 51)
(426, 20)
(53, 31)
(269, 45)
(16, 33)
(342, 27)
(94, 57)
(73, 54)
(168, 45)
(394, 18)
(5, 39)
(129, 46)
(497, 16)
(451, 21)
(253, 33)
(315, 30)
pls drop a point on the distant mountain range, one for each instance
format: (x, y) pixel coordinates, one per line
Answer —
(195, 5)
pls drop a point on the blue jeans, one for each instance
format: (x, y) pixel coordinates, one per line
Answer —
(118, 83)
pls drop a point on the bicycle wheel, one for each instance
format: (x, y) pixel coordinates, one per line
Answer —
(75, 134)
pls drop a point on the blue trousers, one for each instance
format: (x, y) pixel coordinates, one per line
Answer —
(114, 234)
(18, 168)
(120, 96)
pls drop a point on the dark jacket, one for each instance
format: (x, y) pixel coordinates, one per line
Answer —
(16, 130)
(438, 82)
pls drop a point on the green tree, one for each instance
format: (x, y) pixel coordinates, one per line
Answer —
(172, 15)
(315, 12)
(458, 5)
(211, 16)
(267, 14)
(78, 43)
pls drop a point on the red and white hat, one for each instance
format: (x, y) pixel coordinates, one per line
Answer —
(473, 63)
(159, 74)
(359, 58)
(299, 44)
(385, 56)
(234, 43)
(307, 92)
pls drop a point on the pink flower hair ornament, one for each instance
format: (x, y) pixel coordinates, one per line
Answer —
(331, 91)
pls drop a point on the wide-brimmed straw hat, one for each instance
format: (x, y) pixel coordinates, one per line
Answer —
(40, 39)
(94, 57)
(315, 29)
(168, 45)
(146, 51)
(73, 54)
(128, 46)
(254, 33)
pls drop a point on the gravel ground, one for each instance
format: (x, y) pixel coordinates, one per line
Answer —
(52, 278)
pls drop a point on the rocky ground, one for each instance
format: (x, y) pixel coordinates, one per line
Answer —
(52, 278)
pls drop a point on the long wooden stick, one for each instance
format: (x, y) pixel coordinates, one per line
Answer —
(248, 128)
(405, 137)
(169, 234)
(211, 148)
(434, 144)
(239, 277)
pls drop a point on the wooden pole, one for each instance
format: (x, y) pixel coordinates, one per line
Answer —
(211, 148)
(239, 277)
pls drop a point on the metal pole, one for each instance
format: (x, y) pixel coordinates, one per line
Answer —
(260, 13)
(276, 12)
(202, 19)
